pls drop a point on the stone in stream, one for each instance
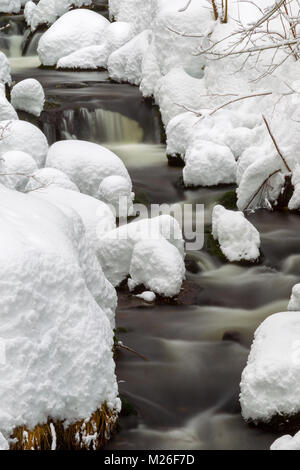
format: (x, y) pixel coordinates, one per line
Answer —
(270, 385)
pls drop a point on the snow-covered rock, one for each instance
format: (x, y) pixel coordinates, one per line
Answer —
(238, 238)
(114, 187)
(47, 11)
(117, 246)
(164, 270)
(87, 165)
(10, 6)
(93, 57)
(294, 303)
(72, 31)
(287, 442)
(271, 380)
(5, 76)
(294, 202)
(208, 164)
(125, 64)
(21, 135)
(16, 167)
(57, 340)
(7, 111)
(147, 296)
(45, 177)
(28, 95)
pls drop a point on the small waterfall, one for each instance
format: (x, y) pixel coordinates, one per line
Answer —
(11, 45)
(99, 126)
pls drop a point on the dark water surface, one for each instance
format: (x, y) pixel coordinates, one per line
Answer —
(185, 396)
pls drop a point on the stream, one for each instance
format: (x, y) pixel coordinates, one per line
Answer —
(185, 396)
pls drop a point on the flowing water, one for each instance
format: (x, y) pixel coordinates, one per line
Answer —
(185, 396)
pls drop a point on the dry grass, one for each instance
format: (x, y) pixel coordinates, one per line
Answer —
(89, 434)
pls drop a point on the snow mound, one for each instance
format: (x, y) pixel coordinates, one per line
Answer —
(147, 296)
(28, 95)
(49, 315)
(7, 111)
(72, 31)
(47, 11)
(46, 177)
(116, 248)
(5, 76)
(93, 57)
(125, 64)
(112, 188)
(294, 202)
(10, 6)
(294, 303)
(164, 270)
(208, 164)
(271, 380)
(21, 135)
(287, 442)
(238, 238)
(16, 168)
(87, 165)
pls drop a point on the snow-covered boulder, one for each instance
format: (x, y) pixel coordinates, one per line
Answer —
(87, 165)
(208, 164)
(164, 270)
(10, 6)
(97, 217)
(21, 135)
(72, 31)
(57, 340)
(270, 385)
(28, 95)
(16, 167)
(116, 248)
(7, 111)
(125, 64)
(287, 442)
(112, 188)
(294, 303)
(47, 11)
(45, 177)
(238, 238)
(5, 76)
(93, 57)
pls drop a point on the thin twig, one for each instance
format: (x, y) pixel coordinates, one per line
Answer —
(276, 145)
(127, 348)
(261, 186)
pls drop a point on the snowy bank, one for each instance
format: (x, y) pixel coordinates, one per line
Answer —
(50, 279)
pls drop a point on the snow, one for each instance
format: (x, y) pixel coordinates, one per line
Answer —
(114, 187)
(5, 76)
(7, 111)
(45, 177)
(23, 136)
(125, 64)
(47, 11)
(238, 238)
(10, 6)
(208, 164)
(116, 248)
(63, 37)
(147, 296)
(3, 443)
(164, 270)
(137, 12)
(287, 442)
(50, 320)
(294, 203)
(270, 382)
(28, 95)
(87, 165)
(15, 169)
(294, 303)
(93, 57)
